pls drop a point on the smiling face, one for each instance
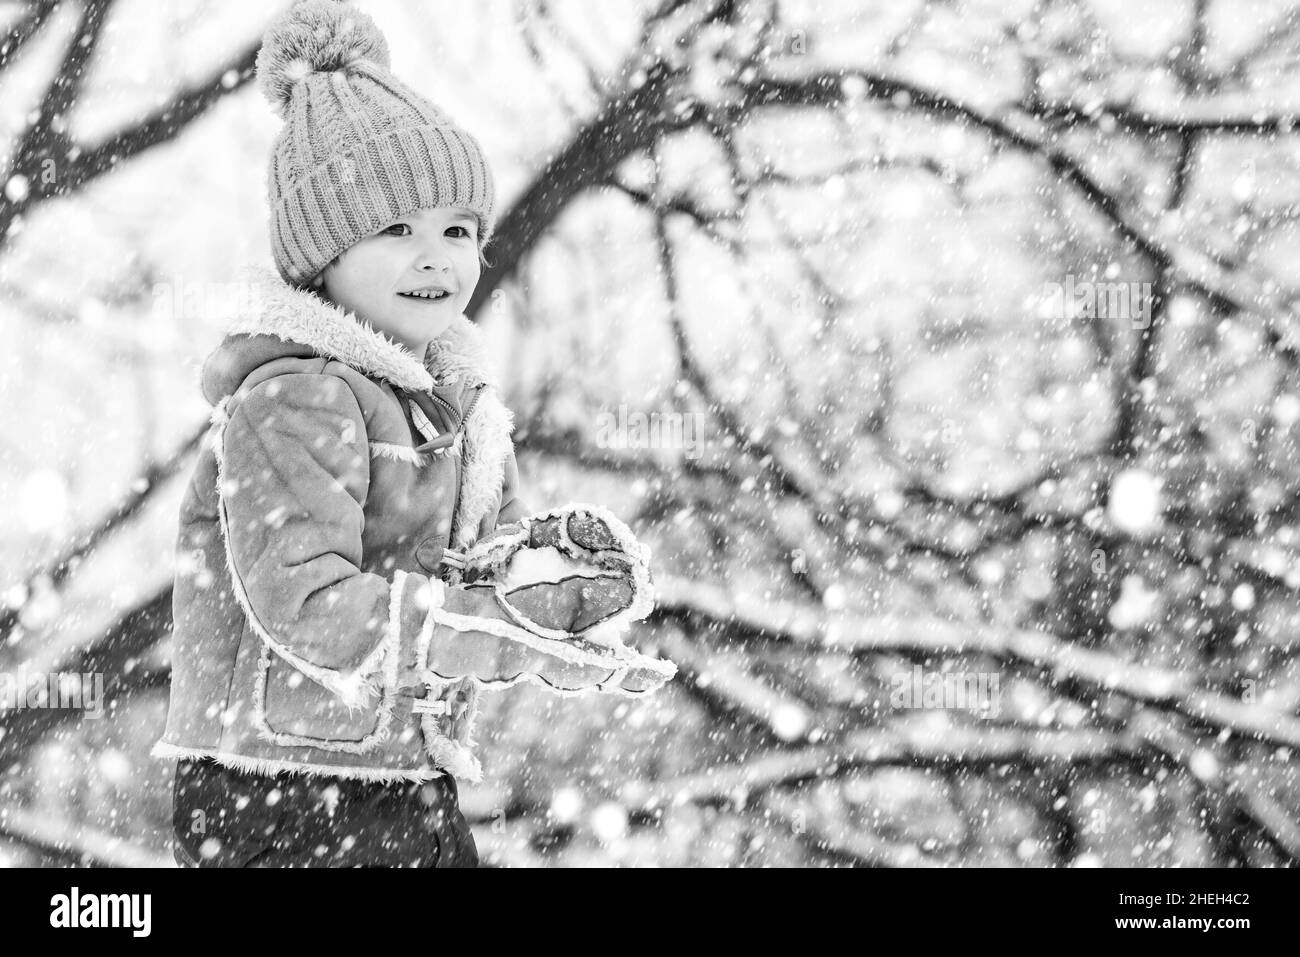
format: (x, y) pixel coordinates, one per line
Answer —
(410, 279)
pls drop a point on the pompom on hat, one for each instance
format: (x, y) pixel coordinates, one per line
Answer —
(359, 149)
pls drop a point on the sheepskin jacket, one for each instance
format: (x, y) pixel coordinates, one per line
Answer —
(337, 470)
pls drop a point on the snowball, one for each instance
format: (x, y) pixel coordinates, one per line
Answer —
(1135, 504)
(789, 722)
(1136, 604)
(1203, 764)
(566, 805)
(609, 822)
(114, 766)
(16, 188)
(1243, 598)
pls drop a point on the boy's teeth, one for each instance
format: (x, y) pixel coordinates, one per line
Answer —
(426, 295)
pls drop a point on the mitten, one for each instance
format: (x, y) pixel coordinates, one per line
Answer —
(547, 600)
(469, 643)
(467, 634)
(573, 571)
(544, 600)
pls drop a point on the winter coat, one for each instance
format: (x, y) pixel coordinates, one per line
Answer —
(337, 470)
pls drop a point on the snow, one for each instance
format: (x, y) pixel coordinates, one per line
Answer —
(913, 456)
(1135, 503)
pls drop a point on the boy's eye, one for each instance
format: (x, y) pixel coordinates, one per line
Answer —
(461, 232)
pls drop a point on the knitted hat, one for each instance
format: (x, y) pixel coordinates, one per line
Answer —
(359, 149)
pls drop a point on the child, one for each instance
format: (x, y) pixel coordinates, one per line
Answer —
(354, 559)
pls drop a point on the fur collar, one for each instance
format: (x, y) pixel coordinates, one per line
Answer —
(457, 357)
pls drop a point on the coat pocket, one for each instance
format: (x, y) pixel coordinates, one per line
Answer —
(292, 709)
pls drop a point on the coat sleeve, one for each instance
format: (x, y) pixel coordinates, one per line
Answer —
(295, 473)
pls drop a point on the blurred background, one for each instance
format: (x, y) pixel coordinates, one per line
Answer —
(944, 353)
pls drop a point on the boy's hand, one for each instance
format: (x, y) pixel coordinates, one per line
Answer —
(546, 600)
(572, 605)
(465, 650)
(563, 572)
(641, 680)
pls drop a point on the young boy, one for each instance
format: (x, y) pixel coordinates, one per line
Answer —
(354, 560)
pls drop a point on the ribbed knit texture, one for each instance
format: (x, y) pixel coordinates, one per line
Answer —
(359, 149)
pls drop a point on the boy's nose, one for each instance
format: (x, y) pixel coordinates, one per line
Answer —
(432, 255)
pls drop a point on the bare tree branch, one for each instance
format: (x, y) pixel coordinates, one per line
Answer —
(45, 139)
(56, 571)
(164, 124)
(76, 843)
(820, 628)
(114, 656)
(78, 164)
(28, 26)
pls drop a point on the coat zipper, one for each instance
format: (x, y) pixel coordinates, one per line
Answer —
(450, 407)
(459, 420)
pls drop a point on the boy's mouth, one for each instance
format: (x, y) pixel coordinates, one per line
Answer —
(429, 295)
